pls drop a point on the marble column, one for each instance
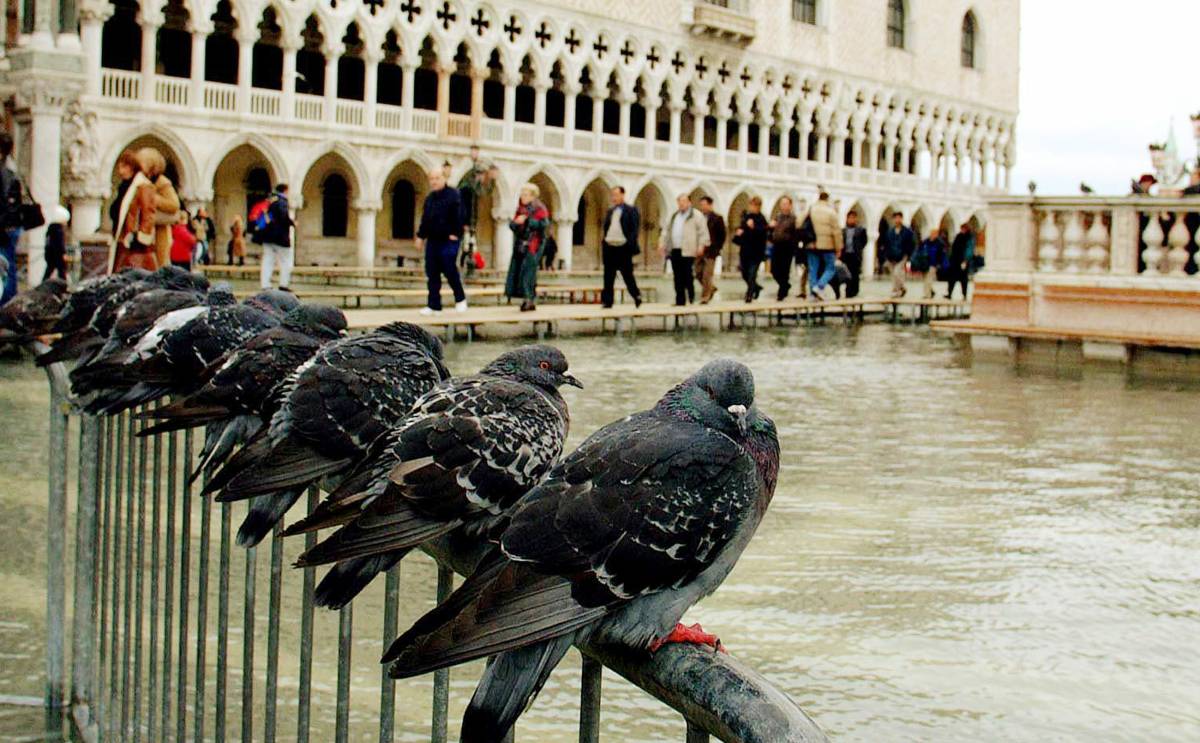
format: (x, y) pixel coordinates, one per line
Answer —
(698, 115)
(91, 32)
(540, 88)
(332, 55)
(598, 116)
(443, 99)
(287, 98)
(365, 232)
(502, 246)
(199, 49)
(570, 94)
(370, 86)
(564, 234)
(149, 59)
(245, 68)
(46, 101)
(510, 107)
(477, 78)
(408, 78)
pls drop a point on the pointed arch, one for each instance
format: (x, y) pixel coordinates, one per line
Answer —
(279, 168)
(359, 173)
(178, 154)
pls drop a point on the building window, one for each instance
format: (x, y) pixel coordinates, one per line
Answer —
(404, 210)
(335, 206)
(805, 11)
(968, 41)
(895, 27)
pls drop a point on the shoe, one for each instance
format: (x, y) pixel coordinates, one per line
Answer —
(637, 301)
(528, 307)
(427, 311)
(814, 297)
(460, 306)
(757, 291)
(607, 306)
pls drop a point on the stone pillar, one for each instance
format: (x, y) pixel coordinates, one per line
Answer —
(86, 213)
(45, 20)
(510, 106)
(365, 232)
(856, 160)
(477, 78)
(332, 54)
(598, 115)
(564, 234)
(889, 155)
(502, 246)
(569, 96)
(46, 100)
(245, 42)
(149, 58)
(698, 134)
(785, 136)
(540, 88)
(91, 31)
(905, 153)
(743, 119)
(199, 48)
(822, 144)
(626, 103)
(804, 118)
(764, 140)
(443, 99)
(408, 77)
(370, 86)
(872, 162)
(722, 137)
(288, 96)
(651, 125)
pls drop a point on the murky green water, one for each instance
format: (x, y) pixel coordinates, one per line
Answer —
(955, 552)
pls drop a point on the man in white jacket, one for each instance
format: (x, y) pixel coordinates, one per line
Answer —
(685, 234)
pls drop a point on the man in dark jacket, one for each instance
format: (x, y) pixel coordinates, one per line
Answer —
(619, 236)
(962, 252)
(706, 258)
(440, 233)
(899, 243)
(854, 244)
(276, 239)
(10, 218)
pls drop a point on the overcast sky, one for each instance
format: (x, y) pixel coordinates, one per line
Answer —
(1100, 80)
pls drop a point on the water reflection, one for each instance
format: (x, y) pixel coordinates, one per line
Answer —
(957, 551)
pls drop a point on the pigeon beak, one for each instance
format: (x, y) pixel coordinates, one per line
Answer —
(739, 413)
(568, 379)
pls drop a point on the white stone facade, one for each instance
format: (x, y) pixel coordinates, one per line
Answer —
(729, 98)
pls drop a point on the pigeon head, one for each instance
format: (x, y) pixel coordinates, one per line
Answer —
(720, 396)
(545, 366)
(274, 302)
(220, 295)
(316, 320)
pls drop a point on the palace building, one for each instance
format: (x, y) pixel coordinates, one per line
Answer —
(888, 104)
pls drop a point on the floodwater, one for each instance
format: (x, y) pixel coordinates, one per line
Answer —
(956, 551)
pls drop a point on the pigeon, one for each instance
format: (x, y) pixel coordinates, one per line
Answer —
(92, 336)
(333, 408)
(242, 394)
(87, 296)
(469, 449)
(180, 359)
(645, 518)
(32, 313)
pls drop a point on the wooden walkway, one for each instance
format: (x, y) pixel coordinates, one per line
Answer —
(547, 319)
(1145, 340)
(348, 296)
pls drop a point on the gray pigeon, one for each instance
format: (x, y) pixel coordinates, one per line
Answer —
(333, 407)
(466, 453)
(645, 518)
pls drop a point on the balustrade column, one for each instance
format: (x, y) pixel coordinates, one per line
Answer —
(565, 237)
(149, 59)
(287, 98)
(408, 77)
(331, 83)
(370, 88)
(365, 233)
(246, 67)
(510, 109)
(199, 48)
(91, 32)
(540, 89)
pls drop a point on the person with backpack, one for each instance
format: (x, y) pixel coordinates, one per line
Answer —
(273, 231)
(10, 218)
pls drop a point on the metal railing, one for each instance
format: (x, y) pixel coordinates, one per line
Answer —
(151, 656)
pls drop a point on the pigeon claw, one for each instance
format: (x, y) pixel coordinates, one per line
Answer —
(693, 635)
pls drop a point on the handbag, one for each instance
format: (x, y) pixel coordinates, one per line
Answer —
(30, 211)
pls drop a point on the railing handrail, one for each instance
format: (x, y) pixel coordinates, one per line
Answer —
(1084, 202)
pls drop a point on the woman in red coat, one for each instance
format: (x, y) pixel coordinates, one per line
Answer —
(183, 242)
(529, 226)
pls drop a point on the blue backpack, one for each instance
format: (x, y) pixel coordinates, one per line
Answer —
(260, 215)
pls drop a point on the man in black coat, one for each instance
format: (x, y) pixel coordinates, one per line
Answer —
(440, 234)
(10, 219)
(706, 259)
(275, 237)
(899, 243)
(619, 238)
(854, 244)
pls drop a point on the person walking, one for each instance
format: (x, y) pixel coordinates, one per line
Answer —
(275, 237)
(685, 235)
(785, 237)
(827, 246)
(926, 260)
(620, 245)
(56, 250)
(529, 240)
(440, 233)
(854, 245)
(237, 241)
(166, 201)
(10, 218)
(183, 242)
(206, 233)
(899, 243)
(134, 236)
(706, 257)
(550, 252)
(805, 240)
(751, 239)
(962, 253)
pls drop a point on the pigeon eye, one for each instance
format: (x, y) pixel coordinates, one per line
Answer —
(545, 365)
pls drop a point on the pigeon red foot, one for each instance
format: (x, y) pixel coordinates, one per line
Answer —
(693, 635)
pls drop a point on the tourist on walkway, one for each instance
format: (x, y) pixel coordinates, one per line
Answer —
(529, 239)
(206, 233)
(620, 245)
(926, 260)
(706, 257)
(550, 252)
(751, 239)
(685, 235)
(275, 237)
(899, 244)
(56, 250)
(962, 254)
(785, 237)
(237, 241)
(133, 230)
(183, 242)
(10, 218)
(166, 201)
(854, 245)
(440, 233)
(806, 239)
(826, 248)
